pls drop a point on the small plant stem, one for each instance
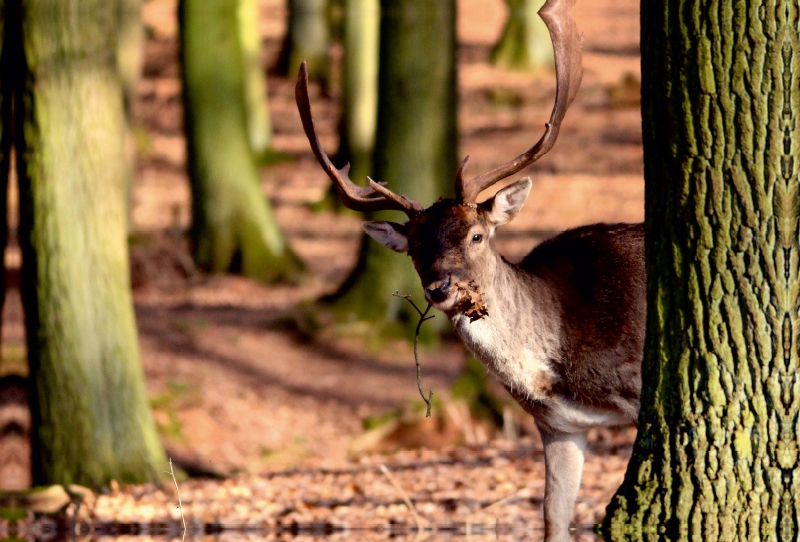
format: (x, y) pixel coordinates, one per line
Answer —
(178, 491)
(422, 318)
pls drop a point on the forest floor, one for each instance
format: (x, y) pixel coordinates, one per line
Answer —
(282, 416)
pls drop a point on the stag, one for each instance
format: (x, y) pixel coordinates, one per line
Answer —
(563, 329)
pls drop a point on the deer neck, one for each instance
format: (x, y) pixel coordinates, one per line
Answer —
(518, 339)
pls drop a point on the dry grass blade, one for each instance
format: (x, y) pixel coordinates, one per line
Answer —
(171, 472)
(421, 523)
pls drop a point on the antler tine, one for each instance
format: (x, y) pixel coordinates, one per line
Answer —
(567, 44)
(353, 196)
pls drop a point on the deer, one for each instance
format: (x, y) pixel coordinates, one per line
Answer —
(563, 329)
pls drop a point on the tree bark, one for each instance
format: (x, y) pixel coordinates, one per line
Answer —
(716, 457)
(415, 148)
(525, 41)
(90, 414)
(233, 228)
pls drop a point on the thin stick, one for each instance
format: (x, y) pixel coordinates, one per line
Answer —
(520, 493)
(422, 318)
(417, 518)
(178, 491)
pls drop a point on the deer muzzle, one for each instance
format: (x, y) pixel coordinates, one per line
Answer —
(438, 291)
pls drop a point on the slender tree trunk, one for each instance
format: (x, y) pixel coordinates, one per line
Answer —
(525, 42)
(234, 228)
(415, 148)
(359, 86)
(259, 124)
(307, 38)
(89, 408)
(716, 457)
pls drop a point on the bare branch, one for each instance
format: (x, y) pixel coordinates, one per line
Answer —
(422, 319)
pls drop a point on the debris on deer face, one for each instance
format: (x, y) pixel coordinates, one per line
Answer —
(471, 304)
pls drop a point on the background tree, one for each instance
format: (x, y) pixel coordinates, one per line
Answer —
(90, 415)
(415, 146)
(259, 124)
(524, 43)
(716, 456)
(307, 39)
(233, 227)
(359, 86)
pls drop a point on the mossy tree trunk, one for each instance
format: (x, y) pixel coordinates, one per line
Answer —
(415, 147)
(307, 39)
(525, 42)
(259, 124)
(717, 457)
(233, 228)
(90, 414)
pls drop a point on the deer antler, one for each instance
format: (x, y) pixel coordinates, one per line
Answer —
(567, 44)
(353, 196)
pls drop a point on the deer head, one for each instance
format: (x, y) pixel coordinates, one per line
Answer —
(451, 241)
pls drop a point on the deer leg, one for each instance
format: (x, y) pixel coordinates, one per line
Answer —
(563, 461)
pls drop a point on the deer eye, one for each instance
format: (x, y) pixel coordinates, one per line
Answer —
(477, 238)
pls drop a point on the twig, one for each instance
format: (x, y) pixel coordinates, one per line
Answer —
(178, 491)
(422, 318)
(410, 505)
(520, 493)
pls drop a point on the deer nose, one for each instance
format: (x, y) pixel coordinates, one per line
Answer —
(438, 291)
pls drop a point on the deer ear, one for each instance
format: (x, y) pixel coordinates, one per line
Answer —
(390, 234)
(505, 205)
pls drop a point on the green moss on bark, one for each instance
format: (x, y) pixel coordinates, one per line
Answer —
(716, 454)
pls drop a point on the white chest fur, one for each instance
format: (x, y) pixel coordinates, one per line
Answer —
(519, 361)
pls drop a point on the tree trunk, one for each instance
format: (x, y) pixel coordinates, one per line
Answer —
(9, 49)
(90, 414)
(130, 56)
(525, 41)
(233, 225)
(716, 457)
(259, 125)
(307, 38)
(415, 148)
(359, 86)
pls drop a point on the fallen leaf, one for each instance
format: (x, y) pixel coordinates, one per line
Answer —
(471, 304)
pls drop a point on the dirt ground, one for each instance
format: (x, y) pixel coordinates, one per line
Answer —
(234, 393)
